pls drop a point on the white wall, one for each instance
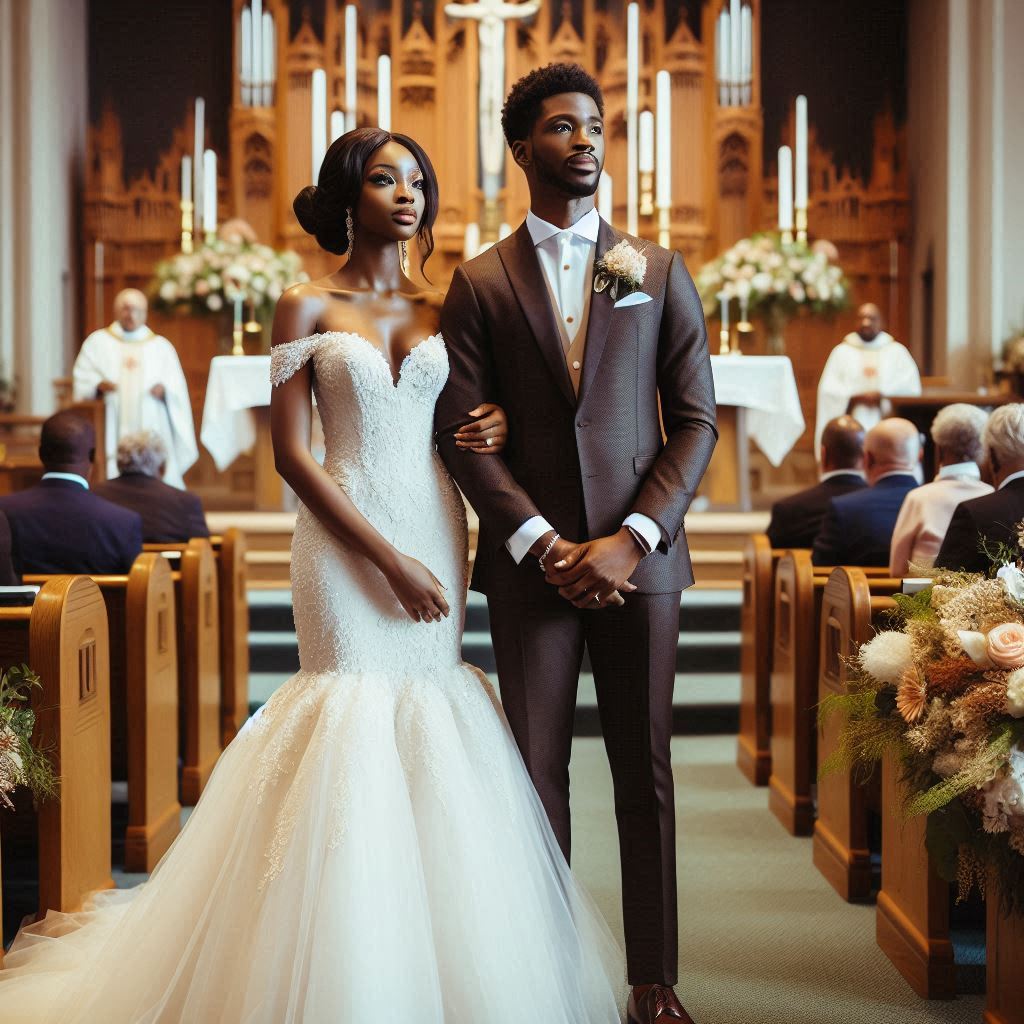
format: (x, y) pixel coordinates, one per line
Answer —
(43, 112)
(966, 157)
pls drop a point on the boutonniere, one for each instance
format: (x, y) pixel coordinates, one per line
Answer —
(620, 271)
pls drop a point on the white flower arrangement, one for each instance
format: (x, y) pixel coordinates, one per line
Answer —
(769, 277)
(621, 270)
(222, 271)
(887, 656)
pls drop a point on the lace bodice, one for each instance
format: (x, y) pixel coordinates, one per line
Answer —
(379, 436)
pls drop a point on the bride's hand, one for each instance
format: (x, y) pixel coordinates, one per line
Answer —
(418, 590)
(487, 434)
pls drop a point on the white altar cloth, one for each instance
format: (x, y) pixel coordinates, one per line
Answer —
(236, 386)
(765, 387)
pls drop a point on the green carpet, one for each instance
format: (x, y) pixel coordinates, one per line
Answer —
(763, 938)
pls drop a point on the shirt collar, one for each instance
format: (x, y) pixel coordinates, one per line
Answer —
(840, 472)
(898, 472)
(1013, 476)
(541, 230)
(73, 477)
(959, 469)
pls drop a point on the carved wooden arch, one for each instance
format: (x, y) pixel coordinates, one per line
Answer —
(734, 165)
(258, 166)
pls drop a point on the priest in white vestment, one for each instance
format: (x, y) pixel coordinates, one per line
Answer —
(865, 368)
(138, 375)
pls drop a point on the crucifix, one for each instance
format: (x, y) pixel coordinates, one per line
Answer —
(491, 16)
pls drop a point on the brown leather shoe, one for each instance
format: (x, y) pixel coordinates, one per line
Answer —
(658, 1005)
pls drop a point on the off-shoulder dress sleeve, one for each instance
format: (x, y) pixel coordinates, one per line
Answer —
(289, 357)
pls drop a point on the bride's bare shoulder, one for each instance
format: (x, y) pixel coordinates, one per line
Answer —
(298, 313)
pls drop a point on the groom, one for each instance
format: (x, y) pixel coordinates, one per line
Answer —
(581, 541)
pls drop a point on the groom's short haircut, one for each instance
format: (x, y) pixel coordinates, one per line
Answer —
(522, 107)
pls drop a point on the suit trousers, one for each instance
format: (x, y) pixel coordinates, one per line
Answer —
(539, 650)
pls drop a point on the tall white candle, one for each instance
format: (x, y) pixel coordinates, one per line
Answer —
(800, 193)
(723, 300)
(632, 112)
(351, 57)
(258, 71)
(785, 188)
(319, 119)
(722, 44)
(337, 124)
(746, 54)
(663, 188)
(471, 242)
(97, 259)
(209, 192)
(245, 57)
(384, 92)
(198, 143)
(735, 48)
(186, 179)
(269, 61)
(604, 197)
(646, 158)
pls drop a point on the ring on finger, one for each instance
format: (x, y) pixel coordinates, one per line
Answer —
(489, 442)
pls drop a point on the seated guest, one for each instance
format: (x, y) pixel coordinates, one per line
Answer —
(169, 515)
(797, 519)
(858, 526)
(59, 526)
(926, 513)
(8, 577)
(992, 518)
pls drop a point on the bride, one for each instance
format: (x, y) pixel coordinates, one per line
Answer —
(370, 846)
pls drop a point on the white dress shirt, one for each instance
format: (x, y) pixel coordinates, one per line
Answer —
(74, 477)
(1013, 476)
(926, 513)
(566, 256)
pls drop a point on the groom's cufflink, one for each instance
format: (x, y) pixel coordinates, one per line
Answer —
(633, 299)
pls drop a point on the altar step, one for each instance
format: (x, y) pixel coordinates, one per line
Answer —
(707, 685)
(716, 541)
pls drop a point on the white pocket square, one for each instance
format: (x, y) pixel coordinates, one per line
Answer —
(633, 299)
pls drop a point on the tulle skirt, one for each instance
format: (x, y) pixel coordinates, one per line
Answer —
(368, 848)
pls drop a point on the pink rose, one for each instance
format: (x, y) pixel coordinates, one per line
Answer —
(1005, 645)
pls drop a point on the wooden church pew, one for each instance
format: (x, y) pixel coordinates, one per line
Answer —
(198, 621)
(232, 584)
(798, 590)
(63, 637)
(912, 912)
(144, 703)
(1004, 955)
(853, 606)
(753, 746)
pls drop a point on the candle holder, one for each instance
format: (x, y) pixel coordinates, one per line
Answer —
(744, 334)
(646, 193)
(210, 237)
(236, 337)
(187, 208)
(787, 237)
(723, 341)
(800, 214)
(665, 227)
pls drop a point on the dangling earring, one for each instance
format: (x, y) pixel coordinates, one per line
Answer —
(350, 230)
(405, 259)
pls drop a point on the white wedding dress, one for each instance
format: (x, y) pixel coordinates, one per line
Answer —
(370, 847)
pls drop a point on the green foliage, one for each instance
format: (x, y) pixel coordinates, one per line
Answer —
(915, 606)
(18, 719)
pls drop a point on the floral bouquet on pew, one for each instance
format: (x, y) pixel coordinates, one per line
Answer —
(943, 691)
(21, 764)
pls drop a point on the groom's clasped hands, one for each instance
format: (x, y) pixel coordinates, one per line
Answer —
(595, 574)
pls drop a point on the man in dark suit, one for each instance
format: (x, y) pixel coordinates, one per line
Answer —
(59, 526)
(797, 520)
(992, 519)
(577, 342)
(858, 526)
(169, 515)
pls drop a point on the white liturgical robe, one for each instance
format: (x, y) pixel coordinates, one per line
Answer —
(855, 367)
(136, 361)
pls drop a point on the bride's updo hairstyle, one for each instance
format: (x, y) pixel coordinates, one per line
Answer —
(320, 208)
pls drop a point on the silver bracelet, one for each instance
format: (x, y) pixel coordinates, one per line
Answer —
(547, 551)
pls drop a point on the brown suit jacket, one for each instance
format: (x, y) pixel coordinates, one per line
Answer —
(582, 464)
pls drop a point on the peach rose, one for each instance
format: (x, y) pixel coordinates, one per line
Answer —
(1005, 645)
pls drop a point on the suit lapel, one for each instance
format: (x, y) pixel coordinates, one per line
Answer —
(601, 306)
(528, 285)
